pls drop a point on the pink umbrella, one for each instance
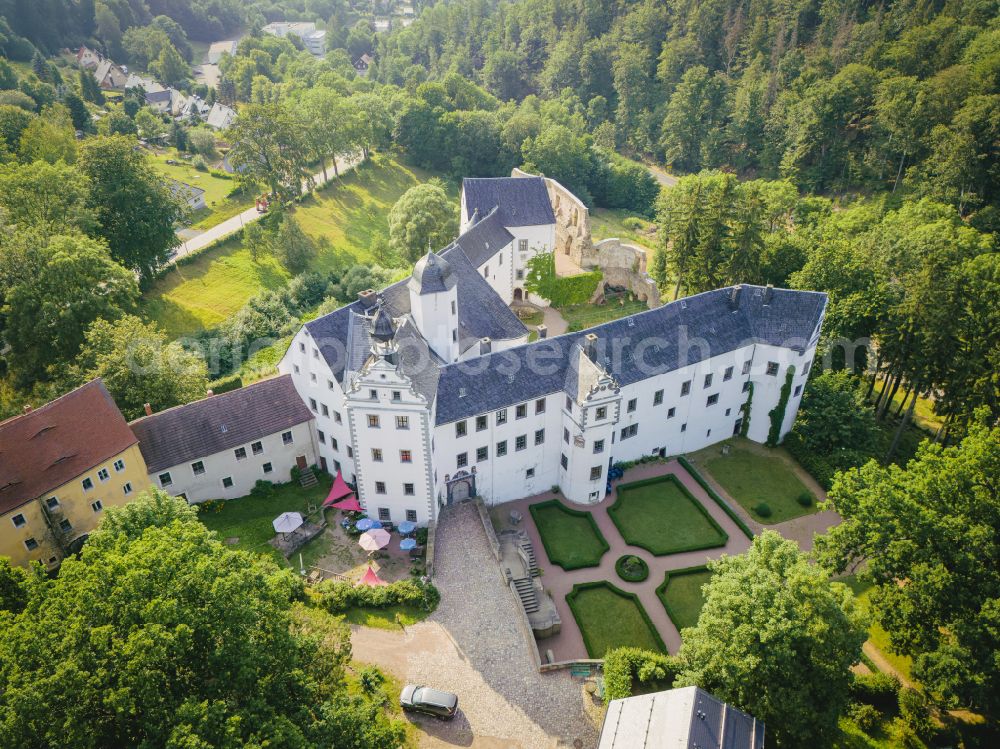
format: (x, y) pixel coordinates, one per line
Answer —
(339, 490)
(347, 505)
(371, 579)
(374, 540)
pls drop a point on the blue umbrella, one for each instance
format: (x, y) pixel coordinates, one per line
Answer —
(364, 524)
(406, 527)
(375, 524)
(408, 543)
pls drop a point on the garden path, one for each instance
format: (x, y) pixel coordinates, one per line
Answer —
(568, 644)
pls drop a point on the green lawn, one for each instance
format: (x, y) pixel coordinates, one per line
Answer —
(610, 618)
(681, 594)
(751, 478)
(571, 537)
(392, 618)
(583, 316)
(222, 196)
(249, 519)
(606, 223)
(661, 516)
(204, 291)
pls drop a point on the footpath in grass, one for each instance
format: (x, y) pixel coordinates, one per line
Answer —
(571, 537)
(611, 618)
(681, 594)
(345, 215)
(661, 516)
(752, 477)
(249, 519)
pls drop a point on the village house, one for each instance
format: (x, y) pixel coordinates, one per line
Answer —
(220, 446)
(110, 76)
(192, 197)
(217, 49)
(220, 117)
(87, 58)
(61, 466)
(363, 63)
(313, 39)
(428, 391)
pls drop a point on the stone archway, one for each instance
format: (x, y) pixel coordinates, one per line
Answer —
(461, 486)
(518, 295)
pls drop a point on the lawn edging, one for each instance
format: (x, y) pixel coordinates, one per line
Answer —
(661, 589)
(580, 587)
(669, 477)
(569, 511)
(733, 515)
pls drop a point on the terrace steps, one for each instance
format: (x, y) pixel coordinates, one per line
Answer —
(525, 588)
(307, 478)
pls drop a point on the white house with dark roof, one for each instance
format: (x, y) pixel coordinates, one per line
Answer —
(219, 447)
(684, 718)
(515, 217)
(428, 391)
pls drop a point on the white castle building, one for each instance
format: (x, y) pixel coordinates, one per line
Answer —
(428, 391)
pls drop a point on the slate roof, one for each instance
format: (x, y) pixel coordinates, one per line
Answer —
(481, 314)
(485, 238)
(685, 718)
(520, 201)
(432, 274)
(538, 369)
(221, 422)
(53, 444)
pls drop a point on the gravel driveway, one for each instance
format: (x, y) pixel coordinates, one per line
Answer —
(472, 645)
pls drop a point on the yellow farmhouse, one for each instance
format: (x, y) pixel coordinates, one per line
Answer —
(61, 466)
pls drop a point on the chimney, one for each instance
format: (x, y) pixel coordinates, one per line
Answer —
(209, 393)
(368, 297)
(27, 408)
(590, 346)
(768, 293)
(485, 345)
(149, 409)
(734, 297)
(542, 332)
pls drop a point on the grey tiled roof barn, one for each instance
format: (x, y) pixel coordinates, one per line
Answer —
(220, 422)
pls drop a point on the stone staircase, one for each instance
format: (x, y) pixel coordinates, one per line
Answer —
(529, 551)
(525, 589)
(307, 478)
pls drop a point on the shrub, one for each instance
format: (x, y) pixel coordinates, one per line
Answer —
(623, 667)
(866, 716)
(913, 712)
(262, 489)
(805, 499)
(631, 568)
(877, 689)
(198, 162)
(634, 223)
(421, 536)
(370, 679)
(762, 509)
(338, 597)
(225, 384)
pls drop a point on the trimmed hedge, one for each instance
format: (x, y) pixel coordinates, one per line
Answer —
(877, 689)
(225, 384)
(624, 667)
(638, 574)
(554, 557)
(339, 596)
(579, 587)
(622, 490)
(661, 590)
(560, 291)
(715, 497)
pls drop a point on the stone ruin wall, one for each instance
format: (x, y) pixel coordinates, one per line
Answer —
(623, 265)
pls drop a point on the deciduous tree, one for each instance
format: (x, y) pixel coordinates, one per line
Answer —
(423, 217)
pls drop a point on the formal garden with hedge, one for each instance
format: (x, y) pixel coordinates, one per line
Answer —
(571, 538)
(609, 617)
(680, 593)
(661, 516)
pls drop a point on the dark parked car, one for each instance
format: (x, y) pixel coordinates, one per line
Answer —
(434, 702)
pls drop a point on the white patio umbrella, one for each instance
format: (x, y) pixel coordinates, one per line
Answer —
(287, 522)
(374, 540)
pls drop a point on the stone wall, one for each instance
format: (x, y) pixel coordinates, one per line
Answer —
(623, 265)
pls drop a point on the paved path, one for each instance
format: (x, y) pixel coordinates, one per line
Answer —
(667, 180)
(237, 222)
(474, 646)
(568, 644)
